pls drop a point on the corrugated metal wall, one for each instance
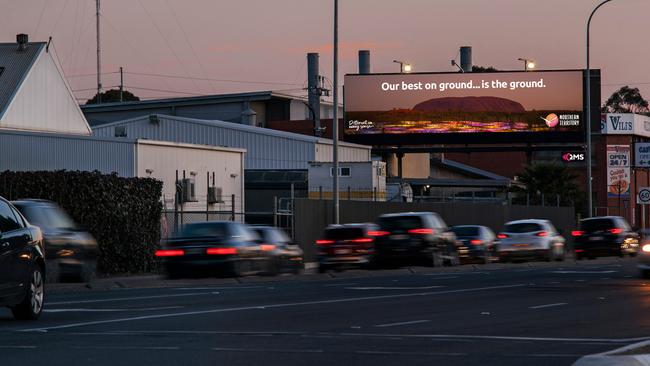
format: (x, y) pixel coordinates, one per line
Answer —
(347, 153)
(23, 151)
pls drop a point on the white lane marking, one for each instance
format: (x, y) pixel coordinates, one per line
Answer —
(272, 350)
(341, 284)
(455, 273)
(545, 355)
(282, 305)
(548, 305)
(126, 348)
(410, 353)
(583, 272)
(402, 323)
(505, 338)
(234, 287)
(128, 298)
(18, 347)
(392, 288)
(84, 310)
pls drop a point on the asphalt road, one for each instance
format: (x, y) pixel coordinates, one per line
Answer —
(520, 314)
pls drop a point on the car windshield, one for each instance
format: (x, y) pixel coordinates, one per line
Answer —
(597, 224)
(523, 227)
(202, 230)
(400, 222)
(461, 231)
(46, 216)
(344, 233)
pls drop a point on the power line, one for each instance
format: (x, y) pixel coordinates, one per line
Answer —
(162, 90)
(211, 79)
(40, 17)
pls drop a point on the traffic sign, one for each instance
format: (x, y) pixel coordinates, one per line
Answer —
(643, 196)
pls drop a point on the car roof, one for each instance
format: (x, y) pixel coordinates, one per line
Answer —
(467, 226)
(602, 217)
(529, 221)
(33, 201)
(350, 225)
(397, 214)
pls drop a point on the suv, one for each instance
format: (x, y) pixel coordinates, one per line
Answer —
(349, 245)
(416, 236)
(605, 235)
(22, 264)
(536, 239)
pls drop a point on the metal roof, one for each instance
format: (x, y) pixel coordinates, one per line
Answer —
(464, 168)
(16, 65)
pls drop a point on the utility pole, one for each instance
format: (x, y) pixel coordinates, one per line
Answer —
(121, 85)
(99, 59)
(335, 115)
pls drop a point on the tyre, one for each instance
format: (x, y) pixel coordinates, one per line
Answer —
(454, 260)
(88, 271)
(644, 273)
(323, 268)
(236, 268)
(32, 305)
(560, 254)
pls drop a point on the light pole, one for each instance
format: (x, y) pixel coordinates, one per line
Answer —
(589, 178)
(528, 64)
(335, 117)
(403, 66)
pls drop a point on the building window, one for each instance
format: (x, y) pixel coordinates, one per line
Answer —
(343, 172)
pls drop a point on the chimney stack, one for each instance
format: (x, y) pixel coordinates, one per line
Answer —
(466, 58)
(22, 40)
(364, 62)
(313, 90)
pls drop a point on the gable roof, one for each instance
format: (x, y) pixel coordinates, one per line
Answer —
(16, 65)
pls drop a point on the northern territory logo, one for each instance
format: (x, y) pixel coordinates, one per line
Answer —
(551, 120)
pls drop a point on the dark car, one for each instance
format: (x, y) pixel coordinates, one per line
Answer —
(477, 242)
(22, 264)
(345, 246)
(285, 256)
(604, 235)
(421, 237)
(214, 248)
(70, 251)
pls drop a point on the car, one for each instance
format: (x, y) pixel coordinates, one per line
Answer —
(214, 248)
(415, 237)
(477, 242)
(643, 263)
(285, 255)
(70, 251)
(530, 239)
(346, 246)
(604, 235)
(22, 264)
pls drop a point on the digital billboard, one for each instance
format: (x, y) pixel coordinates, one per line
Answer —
(429, 108)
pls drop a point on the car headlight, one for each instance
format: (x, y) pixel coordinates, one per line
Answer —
(646, 248)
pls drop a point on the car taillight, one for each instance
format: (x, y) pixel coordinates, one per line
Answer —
(378, 233)
(324, 242)
(615, 231)
(577, 233)
(542, 233)
(267, 247)
(646, 248)
(421, 231)
(579, 250)
(170, 253)
(221, 251)
(502, 236)
(363, 240)
(475, 242)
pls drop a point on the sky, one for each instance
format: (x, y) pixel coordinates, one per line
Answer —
(252, 45)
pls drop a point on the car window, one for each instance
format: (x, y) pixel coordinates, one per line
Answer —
(8, 221)
(438, 222)
(461, 231)
(597, 224)
(19, 217)
(401, 223)
(47, 216)
(205, 229)
(624, 225)
(523, 227)
(344, 233)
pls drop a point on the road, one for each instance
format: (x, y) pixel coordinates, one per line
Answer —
(519, 314)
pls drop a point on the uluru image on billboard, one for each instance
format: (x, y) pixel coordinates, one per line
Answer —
(542, 106)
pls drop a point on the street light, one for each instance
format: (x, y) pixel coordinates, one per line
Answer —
(528, 64)
(589, 182)
(335, 118)
(403, 66)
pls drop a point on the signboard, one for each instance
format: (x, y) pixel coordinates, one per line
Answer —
(510, 107)
(625, 124)
(642, 154)
(643, 196)
(570, 157)
(618, 170)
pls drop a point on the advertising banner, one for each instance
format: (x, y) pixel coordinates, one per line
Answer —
(618, 170)
(642, 154)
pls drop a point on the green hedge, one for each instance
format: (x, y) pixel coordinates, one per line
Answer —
(123, 214)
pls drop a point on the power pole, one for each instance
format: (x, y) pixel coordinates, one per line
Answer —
(99, 59)
(121, 85)
(335, 115)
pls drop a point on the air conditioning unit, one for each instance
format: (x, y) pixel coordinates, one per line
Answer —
(188, 193)
(215, 195)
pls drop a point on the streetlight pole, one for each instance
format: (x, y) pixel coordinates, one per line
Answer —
(335, 117)
(589, 178)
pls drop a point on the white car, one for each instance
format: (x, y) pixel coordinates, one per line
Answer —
(530, 239)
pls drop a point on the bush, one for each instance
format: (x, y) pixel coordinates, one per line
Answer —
(123, 214)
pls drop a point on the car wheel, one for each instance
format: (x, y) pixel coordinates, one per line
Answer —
(633, 254)
(272, 268)
(561, 253)
(32, 305)
(645, 273)
(88, 271)
(454, 260)
(323, 268)
(236, 268)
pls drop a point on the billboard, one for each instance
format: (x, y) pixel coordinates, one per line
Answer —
(642, 155)
(427, 108)
(625, 124)
(618, 170)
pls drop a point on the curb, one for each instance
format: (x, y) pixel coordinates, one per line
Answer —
(609, 358)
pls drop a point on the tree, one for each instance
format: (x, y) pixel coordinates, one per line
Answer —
(113, 95)
(626, 100)
(549, 181)
(477, 68)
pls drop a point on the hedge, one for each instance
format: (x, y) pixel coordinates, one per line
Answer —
(123, 214)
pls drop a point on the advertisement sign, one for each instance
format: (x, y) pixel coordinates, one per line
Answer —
(643, 196)
(642, 154)
(625, 124)
(570, 157)
(544, 106)
(618, 170)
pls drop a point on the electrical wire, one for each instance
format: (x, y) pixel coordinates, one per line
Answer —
(211, 79)
(40, 18)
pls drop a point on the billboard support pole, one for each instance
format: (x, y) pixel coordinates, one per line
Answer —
(335, 118)
(589, 177)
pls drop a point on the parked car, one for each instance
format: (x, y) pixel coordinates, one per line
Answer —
(70, 251)
(644, 254)
(416, 237)
(477, 242)
(285, 255)
(22, 264)
(604, 235)
(214, 248)
(349, 245)
(530, 239)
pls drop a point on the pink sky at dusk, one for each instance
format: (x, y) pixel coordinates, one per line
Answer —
(266, 40)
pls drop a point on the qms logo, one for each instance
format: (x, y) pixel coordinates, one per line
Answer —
(573, 156)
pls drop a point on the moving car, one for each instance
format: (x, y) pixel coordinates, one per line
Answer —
(530, 239)
(604, 235)
(22, 264)
(421, 237)
(214, 248)
(349, 245)
(477, 242)
(285, 256)
(644, 254)
(70, 251)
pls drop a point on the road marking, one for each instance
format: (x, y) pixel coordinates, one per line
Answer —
(548, 305)
(544, 355)
(127, 348)
(265, 350)
(455, 273)
(505, 338)
(128, 298)
(410, 353)
(233, 287)
(401, 323)
(18, 347)
(82, 310)
(393, 288)
(281, 305)
(583, 272)
(342, 284)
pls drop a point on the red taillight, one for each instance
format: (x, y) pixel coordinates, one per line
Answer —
(577, 233)
(378, 233)
(169, 252)
(502, 236)
(221, 251)
(615, 231)
(421, 231)
(542, 233)
(267, 247)
(363, 240)
(324, 242)
(475, 242)
(579, 250)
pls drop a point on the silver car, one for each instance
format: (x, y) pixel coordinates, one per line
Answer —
(530, 239)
